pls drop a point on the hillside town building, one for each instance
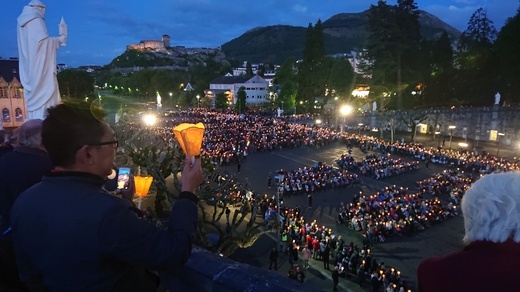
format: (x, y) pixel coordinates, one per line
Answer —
(255, 86)
(12, 101)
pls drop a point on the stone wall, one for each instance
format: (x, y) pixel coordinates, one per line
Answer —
(474, 123)
(206, 271)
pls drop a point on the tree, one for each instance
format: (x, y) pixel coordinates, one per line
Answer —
(380, 44)
(438, 71)
(310, 83)
(407, 45)
(75, 83)
(287, 79)
(394, 32)
(221, 101)
(249, 68)
(476, 41)
(240, 106)
(388, 120)
(507, 59)
(474, 81)
(411, 121)
(339, 76)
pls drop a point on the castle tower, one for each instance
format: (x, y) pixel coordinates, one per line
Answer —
(166, 40)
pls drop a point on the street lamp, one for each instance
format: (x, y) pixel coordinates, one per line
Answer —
(345, 110)
(149, 120)
(451, 132)
(500, 135)
(415, 124)
(477, 137)
(198, 101)
(436, 132)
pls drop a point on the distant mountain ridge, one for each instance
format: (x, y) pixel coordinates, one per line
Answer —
(342, 33)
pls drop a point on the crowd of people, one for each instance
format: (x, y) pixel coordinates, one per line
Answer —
(230, 138)
(393, 212)
(377, 166)
(305, 241)
(320, 177)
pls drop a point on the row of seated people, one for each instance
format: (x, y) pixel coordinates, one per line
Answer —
(471, 161)
(351, 260)
(319, 177)
(448, 182)
(393, 212)
(378, 166)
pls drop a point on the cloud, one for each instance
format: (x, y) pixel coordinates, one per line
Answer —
(299, 8)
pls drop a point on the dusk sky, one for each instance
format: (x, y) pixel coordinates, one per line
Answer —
(100, 30)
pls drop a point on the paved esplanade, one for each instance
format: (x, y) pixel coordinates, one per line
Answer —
(403, 253)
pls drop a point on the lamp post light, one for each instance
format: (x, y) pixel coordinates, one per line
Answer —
(345, 110)
(500, 138)
(477, 137)
(149, 120)
(451, 132)
(360, 125)
(198, 101)
(278, 180)
(415, 124)
(436, 132)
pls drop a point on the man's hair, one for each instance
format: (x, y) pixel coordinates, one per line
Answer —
(491, 208)
(69, 126)
(30, 133)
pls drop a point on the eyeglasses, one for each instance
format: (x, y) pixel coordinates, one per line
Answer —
(115, 143)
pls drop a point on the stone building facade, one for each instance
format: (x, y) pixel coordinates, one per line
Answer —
(157, 45)
(13, 111)
(492, 123)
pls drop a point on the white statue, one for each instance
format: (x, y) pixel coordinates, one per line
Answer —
(374, 106)
(37, 59)
(497, 98)
(279, 112)
(159, 99)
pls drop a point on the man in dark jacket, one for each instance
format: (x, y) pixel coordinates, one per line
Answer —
(273, 259)
(20, 169)
(71, 235)
(335, 278)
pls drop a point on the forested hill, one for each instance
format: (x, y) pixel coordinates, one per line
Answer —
(342, 33)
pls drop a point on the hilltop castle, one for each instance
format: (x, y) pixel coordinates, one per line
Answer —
(157, 45)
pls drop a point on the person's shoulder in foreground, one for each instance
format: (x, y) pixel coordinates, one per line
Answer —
(490, 260)
(71, 235)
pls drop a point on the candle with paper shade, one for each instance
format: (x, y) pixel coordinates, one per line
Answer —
(142, 186)
(190, 137)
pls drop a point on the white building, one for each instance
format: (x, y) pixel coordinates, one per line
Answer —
(256, 88)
